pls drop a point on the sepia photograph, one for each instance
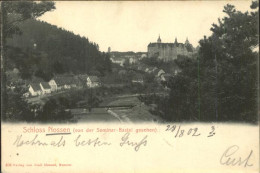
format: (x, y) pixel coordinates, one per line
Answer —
(132, 62)
(130, 86)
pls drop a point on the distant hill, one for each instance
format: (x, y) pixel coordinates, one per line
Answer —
(44, 50)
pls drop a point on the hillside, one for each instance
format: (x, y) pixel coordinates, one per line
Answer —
(44, 50)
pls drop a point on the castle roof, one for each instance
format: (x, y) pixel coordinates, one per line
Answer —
(172, 45)
(165, 44)
(187, 41)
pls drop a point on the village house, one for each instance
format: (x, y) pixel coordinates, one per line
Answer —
(149, 70)
(82, 80)
(54, 86)
(93, 81)
(165, 77)
(160, 72)
(27, 94)
(155, 72)
(143, 56)
(146, 69)
(138, 79)
(133, 60)
(45, 87)
(62, 82)
(120, 61)
(154, 68)
(76, 82)
(69, 82)
(142, 67)
(35, 89)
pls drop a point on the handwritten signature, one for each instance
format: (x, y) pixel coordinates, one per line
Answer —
(228, 157)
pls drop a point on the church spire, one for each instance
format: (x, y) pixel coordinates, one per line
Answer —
(159, 39)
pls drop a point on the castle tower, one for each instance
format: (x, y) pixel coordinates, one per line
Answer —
(159, 40)
(187, 41)
(176, 42)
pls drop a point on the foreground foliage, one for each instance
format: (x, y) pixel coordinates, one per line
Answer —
(220, 83)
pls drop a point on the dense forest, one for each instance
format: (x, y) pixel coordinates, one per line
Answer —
(44, 50)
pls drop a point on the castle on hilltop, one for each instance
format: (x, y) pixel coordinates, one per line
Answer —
(169, 51)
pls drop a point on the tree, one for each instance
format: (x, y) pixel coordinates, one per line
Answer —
(108, 63)
(183, 95)
(15, 12)
(11, 14)
(55, 110)
(229, 67)
(222, 84)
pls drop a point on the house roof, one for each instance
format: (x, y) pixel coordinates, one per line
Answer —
(94, 79)
(118, 58)
(35, 86)
(162, 71)
(64, 80)
(156, 71)
(167, 76)
(82, 77)
(46, 85)
(150, 68)
(37, 80)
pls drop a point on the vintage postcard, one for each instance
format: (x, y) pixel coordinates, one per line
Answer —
(130, 86)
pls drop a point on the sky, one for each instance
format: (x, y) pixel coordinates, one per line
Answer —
(132, 25)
